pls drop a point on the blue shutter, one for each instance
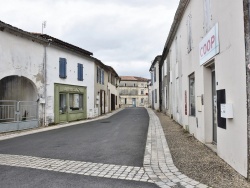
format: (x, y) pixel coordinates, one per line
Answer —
(62, 68)
(80, 72)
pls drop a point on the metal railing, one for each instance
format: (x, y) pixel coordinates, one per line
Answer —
(15, 111)
(7, 110)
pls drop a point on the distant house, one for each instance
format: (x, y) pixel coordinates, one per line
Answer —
(44, 80)
(155, 83)
(133, 91)
(113, 93)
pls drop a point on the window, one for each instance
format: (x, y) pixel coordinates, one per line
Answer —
(165, 67)
(154, 74)
(142, 100)
(142, 92)
(125, 85)
(62, 103)
(62, 68)
(155, 95)
(125, 101)
(207, 15)
(192, 95)
(189, 33)
(75, 101)
(100, 76)
(115, 100)
(80, 72)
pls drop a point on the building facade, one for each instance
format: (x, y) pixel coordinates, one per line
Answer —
(44, 81)
(155, 83)
(203, 80)
(133, 91)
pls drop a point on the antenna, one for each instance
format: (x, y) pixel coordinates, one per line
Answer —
(43, 25)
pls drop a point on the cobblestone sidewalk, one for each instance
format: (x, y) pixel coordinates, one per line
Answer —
(196, 160)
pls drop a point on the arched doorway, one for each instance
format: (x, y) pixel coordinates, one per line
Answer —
(18, 104)
(17, 88)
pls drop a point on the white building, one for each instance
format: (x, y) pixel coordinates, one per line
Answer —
(155, 90)
(203, 76)
(44, 81)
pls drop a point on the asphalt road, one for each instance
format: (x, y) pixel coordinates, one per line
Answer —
(118, 140)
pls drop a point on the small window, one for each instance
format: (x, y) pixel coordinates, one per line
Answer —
(192, 95)
(125, 102)
(80, 72)
(62, 68)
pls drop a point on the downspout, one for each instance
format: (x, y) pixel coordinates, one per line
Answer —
(246, 9)
(45, 85)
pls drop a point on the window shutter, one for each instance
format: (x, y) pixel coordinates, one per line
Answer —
(62, 68)
(102, 77)
(97, 76)
(80, 72)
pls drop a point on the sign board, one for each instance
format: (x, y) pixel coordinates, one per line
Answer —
(226, 110)
(209, 46)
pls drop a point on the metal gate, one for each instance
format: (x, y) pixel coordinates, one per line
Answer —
(18, 115)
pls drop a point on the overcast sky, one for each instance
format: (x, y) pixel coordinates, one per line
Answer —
(125, 34)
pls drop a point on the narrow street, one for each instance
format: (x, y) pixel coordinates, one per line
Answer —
(83, 155)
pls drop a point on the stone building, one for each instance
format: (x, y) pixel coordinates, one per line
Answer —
(133, 91)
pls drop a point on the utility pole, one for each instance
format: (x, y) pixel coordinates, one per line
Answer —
(43, 25)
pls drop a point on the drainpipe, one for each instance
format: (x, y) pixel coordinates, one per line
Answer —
(45, 85)
(246, 4)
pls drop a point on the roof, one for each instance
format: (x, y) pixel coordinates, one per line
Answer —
(63, 44)
(133, 78)
(174, 27)
(157, 58)
(16, 31)
(111, 69)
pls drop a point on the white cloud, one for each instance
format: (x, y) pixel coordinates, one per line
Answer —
(124, 34)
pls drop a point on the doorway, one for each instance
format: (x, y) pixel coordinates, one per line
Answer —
(134, 102)
(214, 104)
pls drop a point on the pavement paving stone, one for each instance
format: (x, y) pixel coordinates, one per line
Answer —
(158, 166)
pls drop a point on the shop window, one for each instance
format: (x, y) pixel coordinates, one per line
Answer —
(62, 103)
(192, 95)
(62, 68)
(75, 101)
(80, 72)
